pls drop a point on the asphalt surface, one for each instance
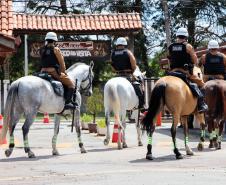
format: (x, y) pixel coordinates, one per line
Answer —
(108, 165)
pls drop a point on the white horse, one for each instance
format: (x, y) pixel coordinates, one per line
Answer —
(120, 96)
(30, 94)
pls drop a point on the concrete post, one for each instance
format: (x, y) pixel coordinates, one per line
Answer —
(6, 87)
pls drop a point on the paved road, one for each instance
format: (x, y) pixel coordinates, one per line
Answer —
(105, 164)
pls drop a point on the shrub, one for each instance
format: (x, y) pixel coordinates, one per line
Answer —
(86, 118)
(95, 103)
(101, 123)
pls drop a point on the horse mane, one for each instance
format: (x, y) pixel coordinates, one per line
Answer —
(74, 66)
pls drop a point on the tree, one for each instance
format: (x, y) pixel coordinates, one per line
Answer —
(204, 19)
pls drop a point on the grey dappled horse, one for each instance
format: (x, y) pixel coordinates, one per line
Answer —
(120, 96)
(30, 94)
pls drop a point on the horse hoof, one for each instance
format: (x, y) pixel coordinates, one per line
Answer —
(83, 151)
(149, 157)
(140, 143)
(119, 147)
(55, 152)
(106, 141)
(200, 147)
(179, 157)
(211, 145)
(8, 152)
(219, 146)
(190, 153)
(216, 145)
(31, 155)
(124, 145)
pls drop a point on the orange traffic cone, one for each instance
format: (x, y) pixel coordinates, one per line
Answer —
(159, 119)
(46, 118)
(1, 123)
(115, 134)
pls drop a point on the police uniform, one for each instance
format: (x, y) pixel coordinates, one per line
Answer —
(214, 66)
(52, 62)
(121, 62)
(179, 57)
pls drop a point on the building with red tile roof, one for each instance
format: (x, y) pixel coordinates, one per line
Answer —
(13, 24)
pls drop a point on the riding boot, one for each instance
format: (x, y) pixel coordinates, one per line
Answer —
(199, 93)
(202, 106)
(140, 95)
(68, 102)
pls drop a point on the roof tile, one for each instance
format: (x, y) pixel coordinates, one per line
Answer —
(30, 23)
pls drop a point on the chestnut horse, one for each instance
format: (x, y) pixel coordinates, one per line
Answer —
(175, 94)
(215, 96)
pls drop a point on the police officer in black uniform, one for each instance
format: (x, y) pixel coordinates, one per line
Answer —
(124, 63)
(182, 57)
(52, 62)
(214, 62)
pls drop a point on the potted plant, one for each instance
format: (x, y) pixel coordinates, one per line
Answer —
(94, 106)
(101, 127)
(85, 120)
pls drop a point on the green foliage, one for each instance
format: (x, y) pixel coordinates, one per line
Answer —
(154, 65)
(95, 103)
(86, 118)
(101, 123)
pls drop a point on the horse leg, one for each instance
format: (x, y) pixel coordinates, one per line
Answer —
(107, 123)
(219, 139)
(137, 124)
(149, 146)
(9, 151)
(173, 133)
(123, 118)
(119, 132)
(28, 122)
(78, 131)
(186, 139)
(215, 133)
(56, 132)
(201, 120)
(210, 130)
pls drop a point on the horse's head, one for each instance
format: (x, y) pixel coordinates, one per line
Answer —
(84, 74)
(138, 75)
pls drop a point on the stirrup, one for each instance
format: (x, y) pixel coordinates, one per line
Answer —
(70, 106)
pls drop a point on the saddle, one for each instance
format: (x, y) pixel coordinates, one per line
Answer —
(192, 86)
(57, 86)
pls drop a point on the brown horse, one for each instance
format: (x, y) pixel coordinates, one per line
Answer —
(215, 96)
(178, 98)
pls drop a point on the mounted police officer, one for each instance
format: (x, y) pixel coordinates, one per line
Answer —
(124, 63)
(52, 62)
(182, 58)
(214, 62)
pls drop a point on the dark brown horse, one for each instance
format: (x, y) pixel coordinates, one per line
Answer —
(179, 100)
(215, 95)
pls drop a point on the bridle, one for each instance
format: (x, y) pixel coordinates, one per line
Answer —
(88, 77)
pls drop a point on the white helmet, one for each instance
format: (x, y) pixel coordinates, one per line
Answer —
(121, 41)
(182, 32)
(51, 36)
(213, 44)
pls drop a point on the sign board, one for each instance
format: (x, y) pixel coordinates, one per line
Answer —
(72, 49)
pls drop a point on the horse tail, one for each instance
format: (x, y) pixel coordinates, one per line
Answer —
(156, 101)
(8, 111)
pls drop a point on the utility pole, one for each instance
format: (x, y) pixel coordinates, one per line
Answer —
(167, 22)
(25, 49)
